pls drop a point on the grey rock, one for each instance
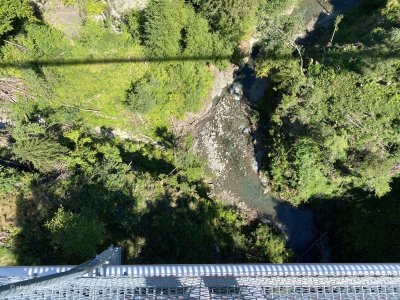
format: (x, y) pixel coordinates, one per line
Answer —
(236, 89)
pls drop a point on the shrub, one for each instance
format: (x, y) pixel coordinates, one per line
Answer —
(75, 235)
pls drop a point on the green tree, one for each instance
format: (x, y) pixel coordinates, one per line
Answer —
(198, 40)
(45, 155)
(232, 19)
(133, 21)
(276, 57)
(77, 236)
(273, 9)
(45, 42)
(270, 246)
(9, 181)
(164, 21)
(12, 13)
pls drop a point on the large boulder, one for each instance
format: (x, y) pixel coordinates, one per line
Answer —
(68, 18)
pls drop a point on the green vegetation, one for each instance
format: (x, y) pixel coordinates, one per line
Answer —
(10, 179)
(69, 186)
(87, 7)
(335, 125)
(7, 257)
(230, 19)
(12, 14)
(371, 236)
(101, 88)
(76, 235)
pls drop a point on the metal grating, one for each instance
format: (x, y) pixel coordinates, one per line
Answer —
(97, 280)
(216, 288)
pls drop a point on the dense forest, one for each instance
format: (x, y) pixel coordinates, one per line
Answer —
(89, 155)
(333, 127)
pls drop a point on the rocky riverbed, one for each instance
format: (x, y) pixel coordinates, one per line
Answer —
(224, 138)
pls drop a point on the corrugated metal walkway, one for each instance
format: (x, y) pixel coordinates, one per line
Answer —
(97, 279)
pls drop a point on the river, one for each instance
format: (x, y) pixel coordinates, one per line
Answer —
(225, 138)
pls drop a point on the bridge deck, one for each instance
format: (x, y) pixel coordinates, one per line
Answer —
(98, 280)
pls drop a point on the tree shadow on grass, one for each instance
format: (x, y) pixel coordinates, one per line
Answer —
(31, 244)
(115, 209)
(362, 227)
(166, 137)
(143, 163)
(186, 230)
(141, 160)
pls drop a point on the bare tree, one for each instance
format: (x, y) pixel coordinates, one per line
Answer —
(338, 19)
